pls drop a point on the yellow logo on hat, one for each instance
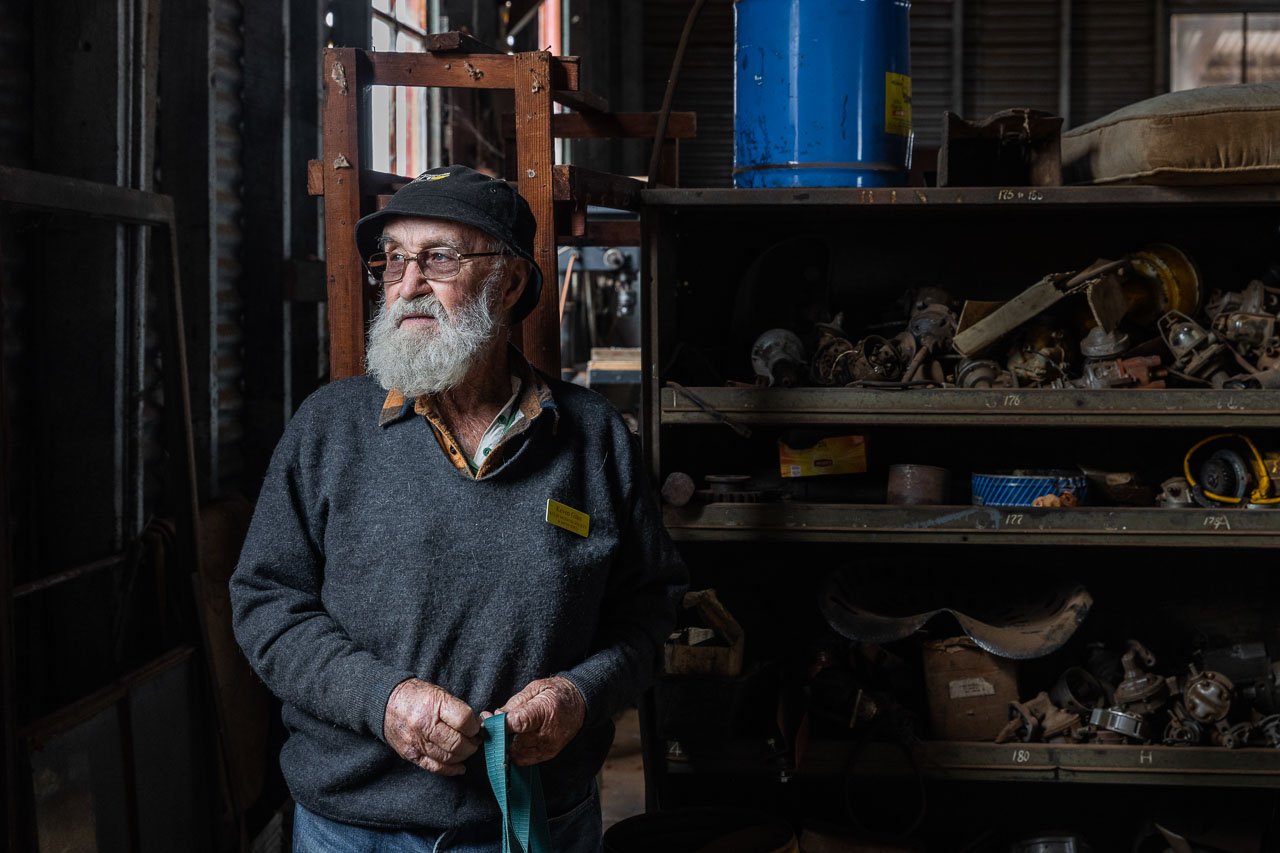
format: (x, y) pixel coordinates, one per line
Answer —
(427, 176)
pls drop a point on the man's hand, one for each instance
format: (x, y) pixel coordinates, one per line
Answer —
(545, 716)
(431, 728)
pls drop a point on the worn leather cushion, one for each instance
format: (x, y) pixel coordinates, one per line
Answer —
(1215, 135)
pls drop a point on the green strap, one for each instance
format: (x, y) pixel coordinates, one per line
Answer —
(518, 791)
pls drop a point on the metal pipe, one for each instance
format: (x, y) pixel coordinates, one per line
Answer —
(957, 57)
(1064, 63)
(71, 574)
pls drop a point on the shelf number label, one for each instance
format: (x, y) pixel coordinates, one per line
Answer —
(1146, 756)
(1019, 195)
(1012, 520)
(1217, 522)
(1021, 756)
(1012, 400)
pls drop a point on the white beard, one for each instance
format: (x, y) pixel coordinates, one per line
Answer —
(419, 361)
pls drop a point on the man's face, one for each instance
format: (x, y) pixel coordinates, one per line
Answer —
(429, 334)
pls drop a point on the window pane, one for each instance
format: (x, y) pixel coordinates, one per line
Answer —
(1207, 50)
(413, 13)
(1263, 46)
(381, 35)
(408, 43)
(380, 118)
(382, 6)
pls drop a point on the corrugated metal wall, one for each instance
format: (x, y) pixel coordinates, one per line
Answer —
(1011, 58)
(226, 46)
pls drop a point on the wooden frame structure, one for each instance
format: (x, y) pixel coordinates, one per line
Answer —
(558, 195)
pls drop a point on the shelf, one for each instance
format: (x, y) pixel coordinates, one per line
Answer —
(790, 521)
(968, 197)
(1025, 762)
(972, 407)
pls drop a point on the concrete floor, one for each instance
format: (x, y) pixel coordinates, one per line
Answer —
(622, 779)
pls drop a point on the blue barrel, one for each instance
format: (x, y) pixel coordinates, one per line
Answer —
(822, 93)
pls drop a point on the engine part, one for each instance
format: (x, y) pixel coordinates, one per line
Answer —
(1120, 722)
(1078, 691)
(1139, 372)
(1207, 696)
(1196, 352)
(1164, 279)
(1141, 692)
(1175, 493)
(1251, 670)
(678, 488)
(1268, 729)
(830, 365)
(1039, 719)
(1103, 344)
(983, 373)
(1231, 736)
(729, 488)
(1027, 623)
(1251, 333)
(1228, 475)
(1021, 488)
(1039, 357)
(778, 357)
(911, 485)
(1182, 730)
(873, 359)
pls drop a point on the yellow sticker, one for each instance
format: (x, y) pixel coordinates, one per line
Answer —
(897, 104)
(568, 518)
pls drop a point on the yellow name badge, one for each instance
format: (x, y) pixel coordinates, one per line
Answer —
(568, 518)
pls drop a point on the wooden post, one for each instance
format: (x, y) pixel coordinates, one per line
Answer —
(534, 158)
(342, 94)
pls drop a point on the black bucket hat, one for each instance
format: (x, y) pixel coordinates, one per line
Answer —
(460, 194)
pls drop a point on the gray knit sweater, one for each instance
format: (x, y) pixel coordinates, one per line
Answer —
(371, 559)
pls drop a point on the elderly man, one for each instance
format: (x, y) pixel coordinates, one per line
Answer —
(449, 536)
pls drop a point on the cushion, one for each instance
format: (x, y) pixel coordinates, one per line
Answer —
(1215, 135)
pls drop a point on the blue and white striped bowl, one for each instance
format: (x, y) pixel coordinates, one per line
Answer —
(1022, 488)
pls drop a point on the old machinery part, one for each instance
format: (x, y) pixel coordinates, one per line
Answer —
(1269, 358)
(1255, 676)
(1182, 730)
(1268, 728)
(1164, 280)
(678, 488)
(1139, 372)
(830, 365)
(1039, 357)
(1251, 333)
(1103, 344)
(1230, 477)
(1231, 736)
(730, 488)
(873, 359)
(1118, 721)
(1039, 719)
(983, 373)
(1207, 696)
(778, 358)
(1078, 691)
(1021, 488)
(1023, 724)
(934, 322)
(1141, 691)
(1269, 379)
(911, 485)
(1196, 352)
(1254, 299)
(1175, 493)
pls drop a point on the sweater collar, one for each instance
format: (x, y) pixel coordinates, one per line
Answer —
(535, 395)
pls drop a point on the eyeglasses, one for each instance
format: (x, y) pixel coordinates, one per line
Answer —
(437, 264)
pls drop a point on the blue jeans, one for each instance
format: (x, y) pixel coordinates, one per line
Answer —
(576, 831)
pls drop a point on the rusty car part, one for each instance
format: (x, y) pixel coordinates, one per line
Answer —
(872, 359)
(912, 485)
(1078, 691)
(1044, 294)
(1138, 372)
(1231, 736)
(1255, 676)
(1164, 279)
(1013, 148)
(1197, 353)
(1040, 356)
(1118, 722)
(1027, 623)
(829, 365)
(777, 357)
(1268, 729)
(1141, 691)
(1100, 343)
(1175, 493)
(1207, 696)
(983, 373)
(1182, 730)
(1038, 719)
(678, 488)
(729, 488)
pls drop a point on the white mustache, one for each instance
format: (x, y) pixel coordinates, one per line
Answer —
(428, 304)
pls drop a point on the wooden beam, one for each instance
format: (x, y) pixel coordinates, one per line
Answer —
(587, 102)
(612, 125)
(588, 187)
(462, 70)
(456, 42)
(533, 87)
(41, 191)
(343, 83)
(609, 232)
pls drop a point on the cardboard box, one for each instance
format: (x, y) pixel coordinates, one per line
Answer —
(969, 689)
(842, 454)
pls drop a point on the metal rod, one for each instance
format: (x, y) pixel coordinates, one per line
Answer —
(660, 134)
(68, 575)
(1064, 63)
(957, 57)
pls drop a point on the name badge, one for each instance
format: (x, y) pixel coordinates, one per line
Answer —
(568, 518)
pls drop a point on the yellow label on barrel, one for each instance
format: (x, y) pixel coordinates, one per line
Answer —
(567, 518)
(897, 104)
